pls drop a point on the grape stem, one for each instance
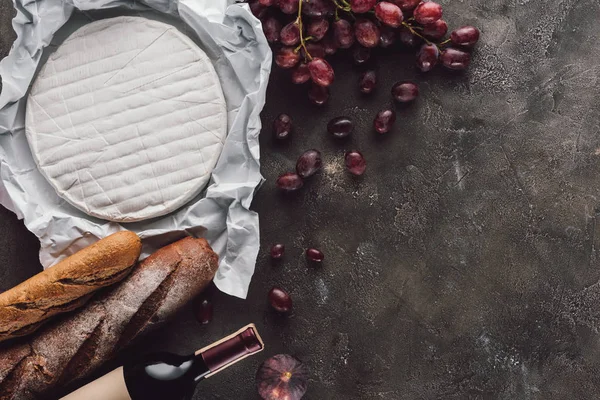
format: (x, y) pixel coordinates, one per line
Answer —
(417, 34)
(300, 28)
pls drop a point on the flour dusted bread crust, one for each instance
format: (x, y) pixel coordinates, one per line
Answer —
(76, 344)
(68, 284)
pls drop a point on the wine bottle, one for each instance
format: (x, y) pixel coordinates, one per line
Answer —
(161, 376)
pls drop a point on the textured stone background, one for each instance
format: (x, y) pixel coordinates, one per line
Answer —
(464, 264)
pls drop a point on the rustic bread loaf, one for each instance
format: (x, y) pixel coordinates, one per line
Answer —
(76, 344)
(68, 284)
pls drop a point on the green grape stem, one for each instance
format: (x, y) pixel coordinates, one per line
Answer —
(300, 28)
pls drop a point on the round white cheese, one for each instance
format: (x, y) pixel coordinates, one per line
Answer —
(127, 119)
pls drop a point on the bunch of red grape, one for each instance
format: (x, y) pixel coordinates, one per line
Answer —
(304, 32)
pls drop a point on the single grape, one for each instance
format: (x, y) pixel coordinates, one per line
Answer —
(455, 59)
(340, 127)
(406, 5)
(318, 95)
(290, 34)
(466, 36)
(314, 49)
(387, 36)
(301, 74)
(389, 14)
(258, 10)
(355, 162)
(288, 6)
(204, 311)
(384, 120)
(289, 182)
(329, 44)
(367, 81)
(366, 32)
(277, 251)
(343, 33)
(318, 8)
(318, 28)
(272, 29)
(267, 3)
(407, 38)
(286, 57)
(436, 30)
(362, 6)
(427, 12)
(427, 57)
(405, 92)
(309, 163)
(282, 126)
(280, 300)
(315, 255)
(361, 54)
(321, 72)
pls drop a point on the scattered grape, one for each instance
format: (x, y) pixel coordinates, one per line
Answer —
(362, 6)
(343, 33)
(289, 182)
(321, 72)
(204, 311)
(389, 14)
(436, 30)
(361, 55)
(277, 251)
(288, 6)
(280, 300)
(466, 36)
(290, 34)
(366, 32)
(272, 29)
(367, 81)
(301, 74)
(405, 92)
(455, 59)
(309, 163)
(282, 126)
(384, 120)
(427, 12)
(355, 162)
(315, 255)
(286, 57)
(318, 28)
(427, 57)
(407, 5)
(318, 95)
(340, 127)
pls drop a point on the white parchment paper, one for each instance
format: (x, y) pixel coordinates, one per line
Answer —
(234, 41)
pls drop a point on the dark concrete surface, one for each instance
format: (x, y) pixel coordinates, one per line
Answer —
(464, 264)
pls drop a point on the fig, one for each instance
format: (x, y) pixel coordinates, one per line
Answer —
(282, 377)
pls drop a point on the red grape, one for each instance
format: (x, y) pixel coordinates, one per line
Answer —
(286, 57)
(282, 126)
(289, 182)
(405, 92)
(389, 14)
(362, 6)
(204, 311)
(387, 36)
(355, 162)
(384, 120)
(367, 82)
(315, 255)
(301, 74)
(361, 55)
(343, 33)
(318, 95)
(280, 300)
(455, 59)
(290, 34)
(309, 163)
(321, 72)
(288, 6)
(314, 49)
(329, 44)
(277, 251)
(436, 30)
(272, 29)
(427, 57)
(406, 5)
(366, 32)
(317, 8)
(318, 28)
(340, 127)
(267, 3)
(466, 36)
(408, 38)
(427, 12)
(257, 9)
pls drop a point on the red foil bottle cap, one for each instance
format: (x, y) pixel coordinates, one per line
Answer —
(231, 350)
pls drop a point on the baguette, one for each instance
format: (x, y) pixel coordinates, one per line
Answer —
(67, 285)
(78, 343)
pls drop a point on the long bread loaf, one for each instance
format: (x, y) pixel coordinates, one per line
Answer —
(76, 344)
(68, 284)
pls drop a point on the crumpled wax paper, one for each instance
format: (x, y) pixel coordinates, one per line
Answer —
(234, 41)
